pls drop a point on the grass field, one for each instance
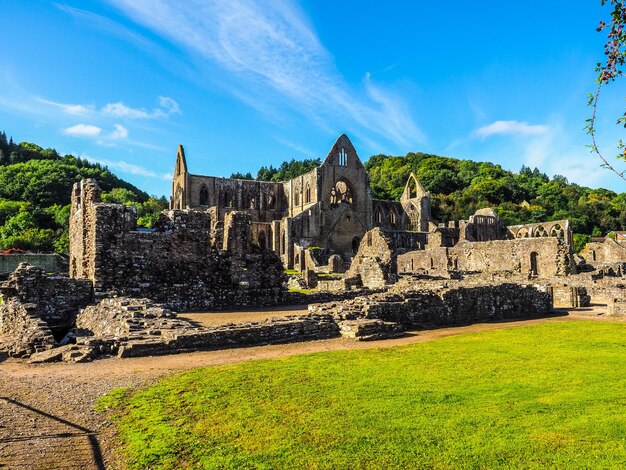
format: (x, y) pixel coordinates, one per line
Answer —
(545, 396)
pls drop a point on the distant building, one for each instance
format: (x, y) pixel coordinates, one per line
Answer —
(330, 207)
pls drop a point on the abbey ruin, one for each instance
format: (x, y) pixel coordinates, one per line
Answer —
(367, 268)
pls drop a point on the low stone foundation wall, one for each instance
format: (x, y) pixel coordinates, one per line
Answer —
(444, 306)
(130, 327)
(318, 297)
(279, 330)
(138, 327)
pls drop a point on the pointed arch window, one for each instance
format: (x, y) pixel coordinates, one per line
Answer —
(393, 218)
(307, 194)
(378, 216)
(204, 195)
(227, 198)
(342, 158)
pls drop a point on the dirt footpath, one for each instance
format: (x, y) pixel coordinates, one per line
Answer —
(46, 411)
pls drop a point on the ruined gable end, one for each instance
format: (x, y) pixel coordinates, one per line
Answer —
(181, 162)
(343, 154)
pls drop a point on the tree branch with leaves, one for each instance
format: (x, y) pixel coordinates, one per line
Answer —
(609, 71)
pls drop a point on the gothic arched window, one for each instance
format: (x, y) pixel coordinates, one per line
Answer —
(204, 195)
(378, 216)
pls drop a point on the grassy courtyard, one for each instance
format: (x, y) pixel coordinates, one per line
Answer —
(545, 396)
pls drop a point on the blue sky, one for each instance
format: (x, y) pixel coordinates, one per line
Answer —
(243, 84)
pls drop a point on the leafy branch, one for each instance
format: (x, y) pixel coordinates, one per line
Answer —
(607, 73)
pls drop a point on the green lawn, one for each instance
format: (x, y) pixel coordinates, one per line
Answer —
(545, 396)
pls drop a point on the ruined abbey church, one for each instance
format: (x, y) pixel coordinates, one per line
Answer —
(330, 207)
(368, 269)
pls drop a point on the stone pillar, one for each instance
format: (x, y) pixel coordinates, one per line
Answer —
(237, 233)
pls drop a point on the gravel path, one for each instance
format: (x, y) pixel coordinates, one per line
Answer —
(46, 411)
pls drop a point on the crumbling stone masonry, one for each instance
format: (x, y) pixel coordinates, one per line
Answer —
(27, 333)
(182, 263)
(35, 306)
(444, 305)
(545, 257)
(608, 251)
(566, 296)
(57, 298)
(138, 327)
(375, 265)
(616, 307)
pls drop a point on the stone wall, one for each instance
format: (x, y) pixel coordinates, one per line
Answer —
(179, 263)
(555, 228)
(616, 307)
(565, 296)
(544, 257)
(445, 305)
(609, 251)
(57, 298)
(375, 264)
(138, 327)
(27, 333)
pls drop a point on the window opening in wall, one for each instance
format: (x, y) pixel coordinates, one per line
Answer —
(378, 217)
(392, 218)
(307, 194)
(412, 188)
(204, 195)
(534, 266)
(343, 157)
(341, 192)
(432, 263)
(356, 241)
(283, 243)
(227, 198)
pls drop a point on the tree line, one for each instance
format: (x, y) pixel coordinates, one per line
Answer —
(35, 192)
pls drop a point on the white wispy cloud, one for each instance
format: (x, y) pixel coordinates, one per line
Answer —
(276, 58)
(73, 109)
(511, 128)
(130, 168)
(90, 131)
(167, 106)
(119, 132)
(83, 130)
